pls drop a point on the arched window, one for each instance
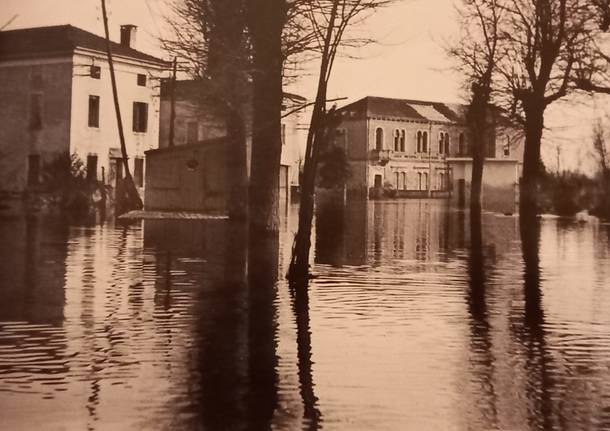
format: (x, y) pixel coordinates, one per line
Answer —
(397, 180)
(403, 180)
(461, 145)
(441, 181)
(379, 139)
(396, 140)
(447, 143)
(441, 142)
(424, 146)
(403, 140)
(418, 141)
(425, 181)
(419, 183)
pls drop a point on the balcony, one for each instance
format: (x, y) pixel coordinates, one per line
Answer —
(381, 156)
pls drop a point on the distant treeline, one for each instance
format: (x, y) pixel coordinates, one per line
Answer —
(568, 193)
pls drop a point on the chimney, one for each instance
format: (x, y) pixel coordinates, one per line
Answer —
(128, 35)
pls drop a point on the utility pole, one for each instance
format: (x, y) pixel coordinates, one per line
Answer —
(172, 113)
(134, 201)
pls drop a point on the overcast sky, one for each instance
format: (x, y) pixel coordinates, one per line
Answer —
(408, 61)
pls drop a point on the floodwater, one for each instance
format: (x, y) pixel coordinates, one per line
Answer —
(417, 318)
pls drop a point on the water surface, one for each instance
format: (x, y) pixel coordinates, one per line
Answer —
(418, 318)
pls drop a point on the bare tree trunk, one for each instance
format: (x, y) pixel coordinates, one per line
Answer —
(227, 68)
(131, 200)
(237, 164)
(532, 164)
(266, 19)
(477, 120)
(299, 264)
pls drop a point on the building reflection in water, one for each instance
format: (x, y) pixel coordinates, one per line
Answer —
(420, 316)
(33, 345)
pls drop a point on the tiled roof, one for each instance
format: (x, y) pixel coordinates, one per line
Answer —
(45, 41)
(418, 110)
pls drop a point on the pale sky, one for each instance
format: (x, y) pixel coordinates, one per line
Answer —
(407, 62)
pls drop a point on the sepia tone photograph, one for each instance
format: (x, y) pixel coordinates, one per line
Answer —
(304, 215)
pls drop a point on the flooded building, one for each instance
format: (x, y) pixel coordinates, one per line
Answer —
(198, 119)
(187, 172)
(420, 149)
(56, 98)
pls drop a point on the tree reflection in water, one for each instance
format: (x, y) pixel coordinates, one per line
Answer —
(481, 340)
(538, 361)
(300, 305)
(263, 260)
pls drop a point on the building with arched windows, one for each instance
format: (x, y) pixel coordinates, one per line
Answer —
(420, 149)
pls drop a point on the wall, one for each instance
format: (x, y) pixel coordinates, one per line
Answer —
(500, 183)
(187, 178)
(99, 141)
(365, 161)
(210, 126)
(17, 139)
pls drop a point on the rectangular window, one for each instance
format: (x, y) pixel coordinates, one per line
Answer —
(192, 132)
(140, 117)
(33, 169)
(95, 72)
(92, 167)
(141, 80)
(507, 150)
(94, 111)
(35, 111)
(138, 172)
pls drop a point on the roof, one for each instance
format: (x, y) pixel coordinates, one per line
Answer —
(418, 110)
(45, 41)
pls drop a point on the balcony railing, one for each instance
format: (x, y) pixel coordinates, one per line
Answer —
(381, 156)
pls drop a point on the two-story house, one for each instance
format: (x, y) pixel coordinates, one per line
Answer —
(420, 149)
(56, 97)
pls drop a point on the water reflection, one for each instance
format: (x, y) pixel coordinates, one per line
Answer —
(480, 329)
(300, 303)
(420, 316)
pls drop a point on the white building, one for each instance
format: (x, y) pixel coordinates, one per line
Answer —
(56, 97)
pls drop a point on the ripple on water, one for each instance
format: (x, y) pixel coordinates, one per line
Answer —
(138, 327)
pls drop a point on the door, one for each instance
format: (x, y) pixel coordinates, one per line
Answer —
(461, 193)
(378, 181)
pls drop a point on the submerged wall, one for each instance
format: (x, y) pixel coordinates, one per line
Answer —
(187, 178)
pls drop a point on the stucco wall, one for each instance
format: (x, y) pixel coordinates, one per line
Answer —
(500, 183)
(98, 141)
(18, 140)
(366, 162)
(186, 178)
(210, 126)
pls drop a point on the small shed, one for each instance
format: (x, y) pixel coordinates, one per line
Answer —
(188, 177)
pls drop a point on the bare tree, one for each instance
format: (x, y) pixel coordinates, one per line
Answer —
(330, 20)
(478, 53)
(542, 42)
(210, 38)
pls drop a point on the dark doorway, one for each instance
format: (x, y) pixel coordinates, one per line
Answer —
(378, 180)
(461, 193)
